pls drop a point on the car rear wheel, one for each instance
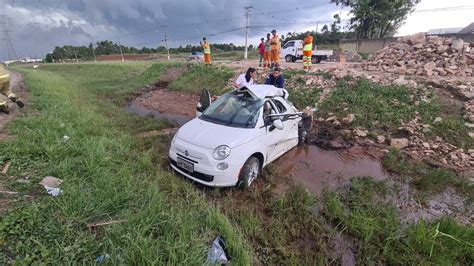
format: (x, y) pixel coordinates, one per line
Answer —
(289, 58)
(249, 172)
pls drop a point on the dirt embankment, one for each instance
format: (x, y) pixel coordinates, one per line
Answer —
(18, 87)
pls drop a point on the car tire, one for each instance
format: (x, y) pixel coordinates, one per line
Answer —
(249, 172)
(315, 60)
(289, 58)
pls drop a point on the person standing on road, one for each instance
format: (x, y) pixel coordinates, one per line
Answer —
(261, 51)
(276, 78)
(275, 46)
(246, 79)
(6, 92)
(268, 52)
(307, 51)
(207, 51)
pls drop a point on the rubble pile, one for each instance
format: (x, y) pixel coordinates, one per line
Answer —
(427, 56)
(436, 149)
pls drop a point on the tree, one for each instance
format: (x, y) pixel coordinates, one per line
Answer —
(377, 18)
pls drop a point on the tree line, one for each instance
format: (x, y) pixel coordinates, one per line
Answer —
(69, 52)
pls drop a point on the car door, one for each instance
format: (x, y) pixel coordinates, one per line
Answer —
(204, 102)
(273, 135)
(290, 124)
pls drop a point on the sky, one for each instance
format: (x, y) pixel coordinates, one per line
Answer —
(35, 27)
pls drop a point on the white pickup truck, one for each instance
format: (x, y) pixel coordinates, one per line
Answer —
(293, 50)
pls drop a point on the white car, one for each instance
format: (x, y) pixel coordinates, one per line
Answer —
(236, 136)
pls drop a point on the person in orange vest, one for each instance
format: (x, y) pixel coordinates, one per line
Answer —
(267, 57)
(275, 46)
(6, 92)
(307, 51)
(207, 51)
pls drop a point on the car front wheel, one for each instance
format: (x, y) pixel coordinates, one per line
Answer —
(289, 58)
(249, 172)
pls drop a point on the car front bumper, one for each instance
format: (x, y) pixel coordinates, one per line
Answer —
(205, 167)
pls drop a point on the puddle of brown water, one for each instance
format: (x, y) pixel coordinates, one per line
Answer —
(134, 108)
(315, 168)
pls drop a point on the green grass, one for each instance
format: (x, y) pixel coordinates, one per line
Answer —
(378, 107)
(427, 180)
(108, 174)
(213, 78)
(384, 108)
(283, 229)
(382, 239)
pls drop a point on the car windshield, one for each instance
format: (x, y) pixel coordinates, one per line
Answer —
(235, 109)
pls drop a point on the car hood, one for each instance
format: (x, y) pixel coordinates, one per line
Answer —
(209, 135)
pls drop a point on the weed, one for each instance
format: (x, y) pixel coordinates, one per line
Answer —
(384, 240)
(426, 179)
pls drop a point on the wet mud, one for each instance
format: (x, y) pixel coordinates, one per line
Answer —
(316, 168)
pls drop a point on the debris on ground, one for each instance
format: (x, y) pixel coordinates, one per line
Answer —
(53, 191)
(8, 192)
(6, 167)
(51, 183)
(218, 252)
(155, 133)
(94, 226)
(66, 138)
(102, 258)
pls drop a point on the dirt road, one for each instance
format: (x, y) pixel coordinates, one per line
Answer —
(18, 88)
(244, 64)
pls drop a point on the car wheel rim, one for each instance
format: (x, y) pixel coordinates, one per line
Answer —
(253, 173)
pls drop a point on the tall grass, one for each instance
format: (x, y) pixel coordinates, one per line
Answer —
(108, 174)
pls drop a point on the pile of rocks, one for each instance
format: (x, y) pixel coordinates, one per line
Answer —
(428, 56)
(436, 149)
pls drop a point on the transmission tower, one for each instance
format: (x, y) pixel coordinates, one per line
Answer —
(11, 53)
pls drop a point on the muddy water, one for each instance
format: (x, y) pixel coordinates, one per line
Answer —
(316, 168)
(135, 108)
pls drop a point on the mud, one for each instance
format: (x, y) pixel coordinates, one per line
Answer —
(316, 168)
(137, 109)
(161, 103)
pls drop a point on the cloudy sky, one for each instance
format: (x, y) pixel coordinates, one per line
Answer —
(36, 26)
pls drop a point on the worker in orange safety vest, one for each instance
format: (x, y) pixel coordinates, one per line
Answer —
(207, 51)
(6, 92)
(275, 46)
(307, 51)
(267, 57)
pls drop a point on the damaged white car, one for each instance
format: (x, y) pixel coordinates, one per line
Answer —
(236, 136)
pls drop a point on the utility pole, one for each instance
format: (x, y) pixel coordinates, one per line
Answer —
(317, 26)
(75, 55)
(165, 29)
(247, 16)
(120, 47)
(93, 51)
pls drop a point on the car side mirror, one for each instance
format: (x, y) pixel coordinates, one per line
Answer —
(278, 124)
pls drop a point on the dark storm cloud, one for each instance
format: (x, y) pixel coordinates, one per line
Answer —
(38, 25)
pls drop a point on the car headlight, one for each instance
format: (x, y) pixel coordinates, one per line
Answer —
(221, 152)
(174, 138)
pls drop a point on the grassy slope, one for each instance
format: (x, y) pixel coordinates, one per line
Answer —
(213, 78)
(108, 175)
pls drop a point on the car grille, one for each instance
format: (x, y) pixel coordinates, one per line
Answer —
(200, 176)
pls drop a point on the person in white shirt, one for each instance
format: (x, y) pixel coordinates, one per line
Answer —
(246, 79)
